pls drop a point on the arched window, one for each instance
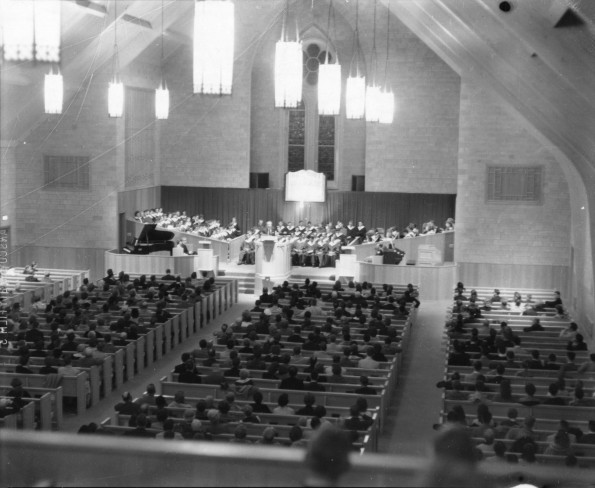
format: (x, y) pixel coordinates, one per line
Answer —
(311, 137)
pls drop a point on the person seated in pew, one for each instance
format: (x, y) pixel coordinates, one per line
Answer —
(141, 428)
(179, 401)
(182, 366)
(552, 397)
(505, 394)
(148, 398)
(456, 393)
(365, 388)
(518, 306)
(535, 326)
(22, 367)
(529, 399)
(168, 276)
(30, 268)
(508, 423)
(169, 432)
(526, 431)
(589, 437)
(127, 406)
(234, 370)
(559, 445)
(551, 363)
(282, 407)
(47, 368)
(68, 369)
(535, 362)
(355, 420)
(313, 383)
(257, 405)
(188, 374)
(369, 362)
(570, 364)
(266, 297)
(587, 366)
(569, 332)
(578, 344)
(486, 446)
(479, 391)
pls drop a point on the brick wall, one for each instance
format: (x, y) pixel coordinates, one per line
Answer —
(217, 141)
(417, 153)
(506, 234)
(75, 218)
(206, 141)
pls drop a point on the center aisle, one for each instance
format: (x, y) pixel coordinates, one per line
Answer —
(415, 405)
(137, 386)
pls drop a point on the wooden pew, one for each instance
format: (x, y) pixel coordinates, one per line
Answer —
(45, 402)
(271, 394)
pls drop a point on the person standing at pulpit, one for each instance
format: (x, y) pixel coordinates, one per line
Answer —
(269, 229)
(184, 245)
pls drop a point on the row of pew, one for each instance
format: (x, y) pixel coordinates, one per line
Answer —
(130, 358)
(337, 398)
(546, 341)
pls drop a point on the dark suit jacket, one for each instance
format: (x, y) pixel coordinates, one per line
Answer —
(291, 384)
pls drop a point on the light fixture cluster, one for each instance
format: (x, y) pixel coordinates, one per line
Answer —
(31, 31)
(372, 101)
(289, 70)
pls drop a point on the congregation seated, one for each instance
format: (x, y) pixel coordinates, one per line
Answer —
(496, 349)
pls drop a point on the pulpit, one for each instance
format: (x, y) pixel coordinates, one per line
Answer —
(273, 263)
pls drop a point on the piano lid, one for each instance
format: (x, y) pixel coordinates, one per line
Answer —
(149, 234)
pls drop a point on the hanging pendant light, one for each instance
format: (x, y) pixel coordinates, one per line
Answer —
(373, 90)
(355, 88)
(386, 107)
(289, 69)
(162, 102)
(53, 93)
(115, 94)
(18, 29)
(162, 93)
(329, 80)
(329, 89)
(213, 46)
(387, 98)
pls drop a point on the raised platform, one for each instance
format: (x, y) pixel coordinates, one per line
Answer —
(158, 263)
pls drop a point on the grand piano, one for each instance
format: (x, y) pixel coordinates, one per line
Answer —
(150, 241)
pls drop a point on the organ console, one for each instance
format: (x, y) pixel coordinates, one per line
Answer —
(151, 240)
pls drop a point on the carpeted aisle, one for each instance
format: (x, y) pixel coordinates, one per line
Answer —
(415, 405)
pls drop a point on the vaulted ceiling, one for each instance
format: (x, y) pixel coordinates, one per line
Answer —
(539, 56)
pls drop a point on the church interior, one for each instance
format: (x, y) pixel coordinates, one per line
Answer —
(489, 122)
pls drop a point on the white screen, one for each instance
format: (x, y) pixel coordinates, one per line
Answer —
(305, 186)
